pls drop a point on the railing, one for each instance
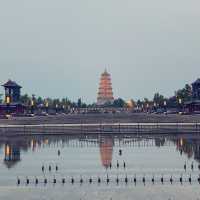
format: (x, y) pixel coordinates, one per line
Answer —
(117, 128)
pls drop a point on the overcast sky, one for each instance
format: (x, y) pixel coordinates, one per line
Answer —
(60, 47)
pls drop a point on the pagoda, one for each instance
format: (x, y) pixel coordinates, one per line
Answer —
(105, 94)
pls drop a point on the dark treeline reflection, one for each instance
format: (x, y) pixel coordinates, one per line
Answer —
(13, 146)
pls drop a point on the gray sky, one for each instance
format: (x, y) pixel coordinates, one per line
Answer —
(60, 47)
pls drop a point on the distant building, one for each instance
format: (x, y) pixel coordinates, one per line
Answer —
(196, 89)
(194, 104)
(12, 91)
(105, 94)
(12, 102)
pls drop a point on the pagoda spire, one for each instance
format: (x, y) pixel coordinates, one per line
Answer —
(105, 93)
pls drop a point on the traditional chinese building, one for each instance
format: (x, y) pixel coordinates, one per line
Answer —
(194, 105)
(12, 102)
(12, 91)
(105, 94)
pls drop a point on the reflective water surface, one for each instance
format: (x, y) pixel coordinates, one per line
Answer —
(100, 167)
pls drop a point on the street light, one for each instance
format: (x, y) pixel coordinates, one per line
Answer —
(155, 106)
(180, 104)
(56, 108)
(147, 107)
(32, 106)
(63, 108)
(32, 102)
(165, 106)
(46, 105)
(8, 100)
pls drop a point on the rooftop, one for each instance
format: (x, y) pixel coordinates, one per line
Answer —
(197, 81)
(105, 73)
(11, 83)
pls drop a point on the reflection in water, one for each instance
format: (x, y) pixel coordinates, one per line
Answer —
(187, 144)
(12, 155)
(106, 150)
(159, 142)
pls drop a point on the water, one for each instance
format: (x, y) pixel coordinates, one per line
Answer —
(96, 156)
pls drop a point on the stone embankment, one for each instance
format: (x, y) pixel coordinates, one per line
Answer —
(101, 124)
(101, 118)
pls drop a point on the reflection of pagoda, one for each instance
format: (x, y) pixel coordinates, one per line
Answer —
(12, 155)
(106, 151)
(105, 94)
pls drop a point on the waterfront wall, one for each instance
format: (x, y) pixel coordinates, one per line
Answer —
(115, 128)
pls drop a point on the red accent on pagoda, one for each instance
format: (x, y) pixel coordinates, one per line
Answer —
(105, 94)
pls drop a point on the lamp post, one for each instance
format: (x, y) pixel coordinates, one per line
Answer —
(180, 104)
(63, 107)
(154, 105)
(32, 106)
(56, 108)
(142, 107)
(165, 106)
(8, 100)
(147, 107)
(47, 106)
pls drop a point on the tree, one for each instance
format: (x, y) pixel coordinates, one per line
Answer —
(139, 103)
(25, 99)
(1, 98)
(79, 103)
(146, 100)
(185, 94)
(119, 103)
(158, 98)
(39, 101)
(172, 102)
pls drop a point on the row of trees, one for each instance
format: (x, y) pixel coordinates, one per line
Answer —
(159, 100)
(51, 102)
(180, 97)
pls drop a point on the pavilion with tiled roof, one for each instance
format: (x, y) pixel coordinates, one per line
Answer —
(11, 83)
(12, 102)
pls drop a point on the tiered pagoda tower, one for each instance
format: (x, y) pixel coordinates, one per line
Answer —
(105, 94)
